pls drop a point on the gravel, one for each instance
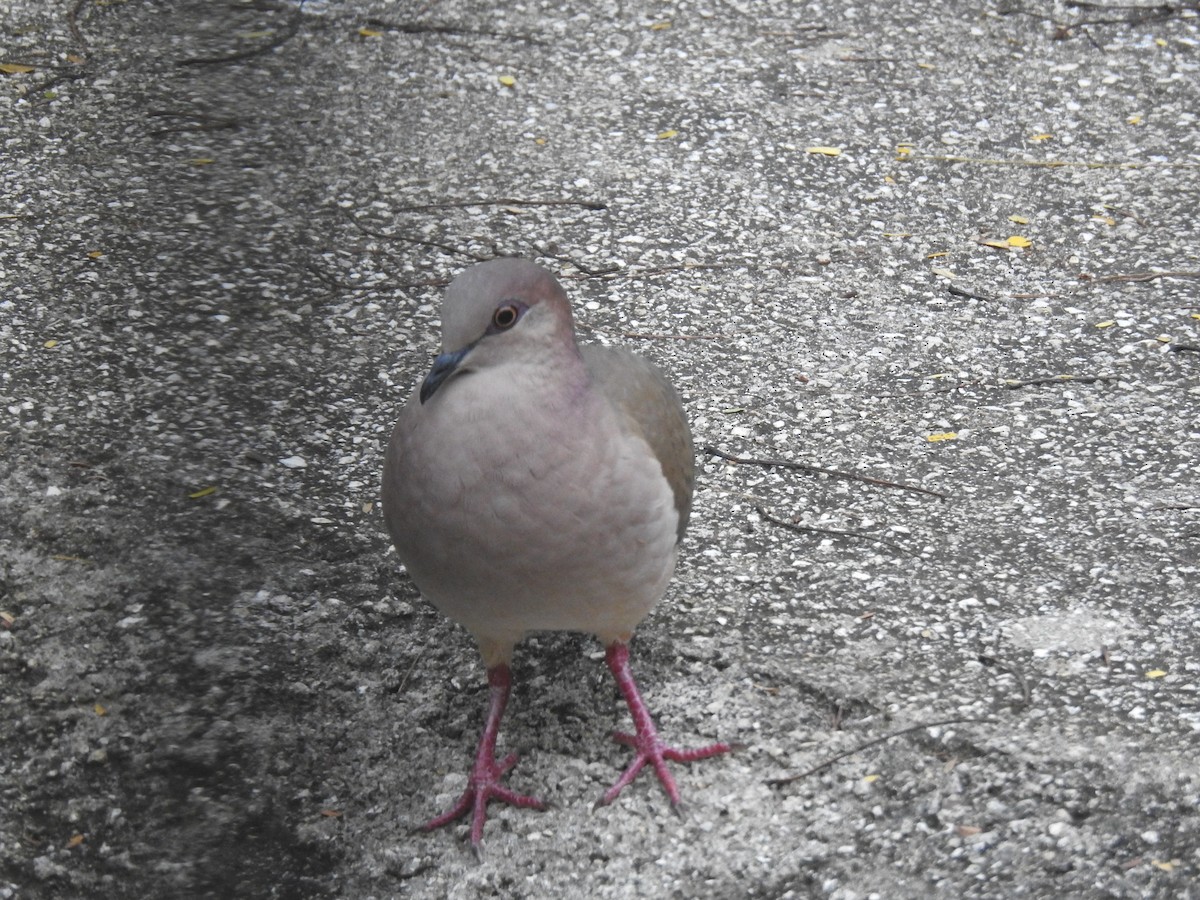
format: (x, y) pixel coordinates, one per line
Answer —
(945, 247)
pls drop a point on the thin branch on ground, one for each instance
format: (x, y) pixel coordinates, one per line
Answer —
(1016, 672)
(586, 270)
(1142, 276)
(833, 532)
(289, 31)
(959, 292)
(646, 336)
(788, 779)
(1138, 15)
(818, 470)
(73, 24)
(503, 201)
(1016, 383)
(1138, 7)
(1049, 163)
(445, 248)
(411, 669)
(416, 28)
(202, 122)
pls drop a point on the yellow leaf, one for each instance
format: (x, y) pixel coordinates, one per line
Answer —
(50, 344)
(1107, 323)
(1163, 339)
(1134, 120)
(1107, 220)
(1041, 137)
(540, 141)
(667, 135)
(1020, 220)
(369, 33)
(999, 245)
(99, 710)
(202, 161)
(660, 26)
(75, 841)
(1155, 673)
(1166, 865)
(888, 179)
(95, 254)
(1195, 315)
(870, 779)
(1017, 241)
(15, 68)
(1160, 42)
(904, 151)
(203, 492)
(926, 66)
(507, 80)
(824, 151)
(942, 436)
(937, 255)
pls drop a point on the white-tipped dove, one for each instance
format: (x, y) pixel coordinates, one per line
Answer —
(532, 484)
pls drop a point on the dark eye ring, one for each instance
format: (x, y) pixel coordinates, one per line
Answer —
(505, 316)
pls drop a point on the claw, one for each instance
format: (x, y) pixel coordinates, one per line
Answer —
(484, 783)
(647, 745)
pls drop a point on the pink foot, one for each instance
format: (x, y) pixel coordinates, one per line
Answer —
(648, 746)
(484, 784)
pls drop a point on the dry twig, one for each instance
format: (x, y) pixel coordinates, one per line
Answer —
(416, 28)
(834, 532)
(73, 24)
(503, 201)
(1142, 276)
(288, 32)
(788, 779)
(959, 292)
(1015, 383)
(818, 470)
(647, 336)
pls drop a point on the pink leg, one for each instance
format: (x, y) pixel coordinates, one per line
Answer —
(484, 783)
(648, 746)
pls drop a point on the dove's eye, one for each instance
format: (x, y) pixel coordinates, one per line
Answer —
(506, 316)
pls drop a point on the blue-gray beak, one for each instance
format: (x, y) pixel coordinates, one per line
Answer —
(443, 367)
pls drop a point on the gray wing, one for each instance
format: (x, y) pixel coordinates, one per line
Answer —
(640, 391)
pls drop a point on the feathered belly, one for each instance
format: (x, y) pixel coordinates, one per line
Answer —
(582, 541)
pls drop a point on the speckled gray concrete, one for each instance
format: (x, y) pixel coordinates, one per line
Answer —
(225, 275)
